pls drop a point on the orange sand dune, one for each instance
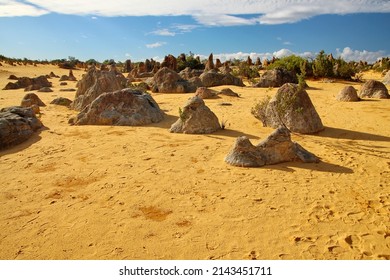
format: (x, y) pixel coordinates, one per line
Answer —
(101, 192)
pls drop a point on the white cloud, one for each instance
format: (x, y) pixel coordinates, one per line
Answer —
(349, 54)
(155, 45)
(206, 12)
(163, 32)
(11, 8)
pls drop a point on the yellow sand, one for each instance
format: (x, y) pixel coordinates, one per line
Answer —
(101, 192)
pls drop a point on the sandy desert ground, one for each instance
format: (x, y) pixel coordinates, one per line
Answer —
(101, 192)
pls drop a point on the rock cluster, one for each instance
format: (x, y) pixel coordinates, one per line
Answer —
(276, 78)
(276, 148)
(29, 83)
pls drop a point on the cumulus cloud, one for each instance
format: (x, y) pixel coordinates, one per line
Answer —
(349, 54)
(205, 12)
(254, 55)
(155, 45)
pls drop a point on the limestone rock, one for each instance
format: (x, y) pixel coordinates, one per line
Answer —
(17, 124)
(205, 93)
(213, 78)
(125, 107)
(276, 148)
(31, 99)
(210, 63)
(291, 106)
(276, 78)
(196, 118)
(94, 83)
(29, 83)
(386, 79)
(168, 81)
(374, 89)
(62, 101)
(228, 92)
(348, 94)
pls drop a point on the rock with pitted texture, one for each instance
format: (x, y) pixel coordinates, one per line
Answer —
(17, 124)
(348, 94)
(196, 118)
(374, 89)
(126, 107)
(276, 148)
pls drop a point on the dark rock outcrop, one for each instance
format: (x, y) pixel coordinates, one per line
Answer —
(276, 148)
(29, 83)
(196, 118)
(170, 62)
(17, 124)
(276, 78)
(125, 107)
(210, 63)
(374, 89)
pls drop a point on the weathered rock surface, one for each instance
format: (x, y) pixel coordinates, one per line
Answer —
(17, 124)
(205, 93)
(228, 92)
(276, 148)
(210, 63)
(45, 89)
(62, 101)
(29, 83)
(196, 118)
(374, 89)
(168, 81)
(276, 78)
(348, 94)
(94, 83)
(291, 106)
(212, 78)
(31, 99)
(125, 107)
(386, 79)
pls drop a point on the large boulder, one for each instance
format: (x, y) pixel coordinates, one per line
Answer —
(122, 107)
(94, 83)
(374, 89)
(29, 83)
(196, 118)
(276, 78)
(348, 94)
(168, 81)
(212, 78)
(170, 62)
(291, 107)
(17, 124)
(276, 148)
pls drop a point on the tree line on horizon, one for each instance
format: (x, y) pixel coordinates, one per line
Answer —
(322, 66)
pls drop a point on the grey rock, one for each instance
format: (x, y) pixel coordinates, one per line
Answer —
(276, 148)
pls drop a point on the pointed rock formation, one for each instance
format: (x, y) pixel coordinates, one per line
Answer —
(209, 64)
(31, 99)
(276, 148)
(94, 83)
(291, 106)
(196, 118)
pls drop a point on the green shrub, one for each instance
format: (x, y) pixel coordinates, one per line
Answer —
(259, 110)
(290, 63)
(322, 66)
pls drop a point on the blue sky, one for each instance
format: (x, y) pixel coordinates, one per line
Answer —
(139, 29)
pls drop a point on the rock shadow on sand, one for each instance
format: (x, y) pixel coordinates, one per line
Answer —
(320, 167)
(341, 133)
